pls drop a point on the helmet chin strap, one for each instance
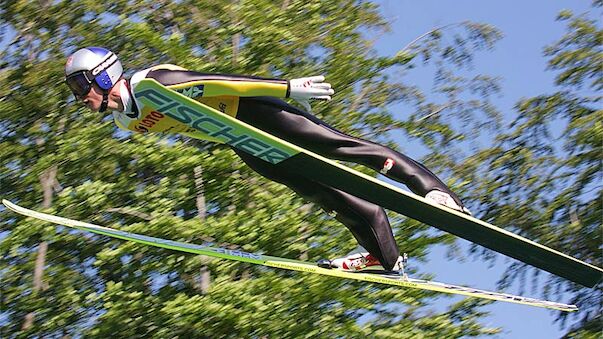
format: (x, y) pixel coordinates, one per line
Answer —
(105, 102)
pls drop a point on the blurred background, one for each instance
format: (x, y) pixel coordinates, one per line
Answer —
(519, 140)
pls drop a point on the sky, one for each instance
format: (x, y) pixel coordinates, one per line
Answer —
(527, 26)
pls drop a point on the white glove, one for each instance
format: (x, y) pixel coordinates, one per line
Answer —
(304, 89)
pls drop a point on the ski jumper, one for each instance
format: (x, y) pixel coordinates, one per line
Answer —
(256, 101)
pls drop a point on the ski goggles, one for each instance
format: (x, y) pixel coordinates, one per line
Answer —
(79, 84)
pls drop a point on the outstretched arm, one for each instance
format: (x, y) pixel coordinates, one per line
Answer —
(196, 84)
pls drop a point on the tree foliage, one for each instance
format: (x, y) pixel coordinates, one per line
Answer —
(542, 178)
(77, 164)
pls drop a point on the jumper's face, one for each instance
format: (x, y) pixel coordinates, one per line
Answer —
(85, 90)
(93, 99)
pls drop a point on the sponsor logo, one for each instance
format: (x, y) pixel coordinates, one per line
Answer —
(148, 122)
(105, 64)
(192, 92)
(389, 164)
(235, 136)
(236, 253)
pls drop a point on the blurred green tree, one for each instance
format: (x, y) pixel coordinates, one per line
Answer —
(542, 178)
(61, 157)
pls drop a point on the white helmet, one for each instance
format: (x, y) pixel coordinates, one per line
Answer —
(92, 64)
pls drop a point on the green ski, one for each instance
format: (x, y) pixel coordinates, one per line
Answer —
(295, 265)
